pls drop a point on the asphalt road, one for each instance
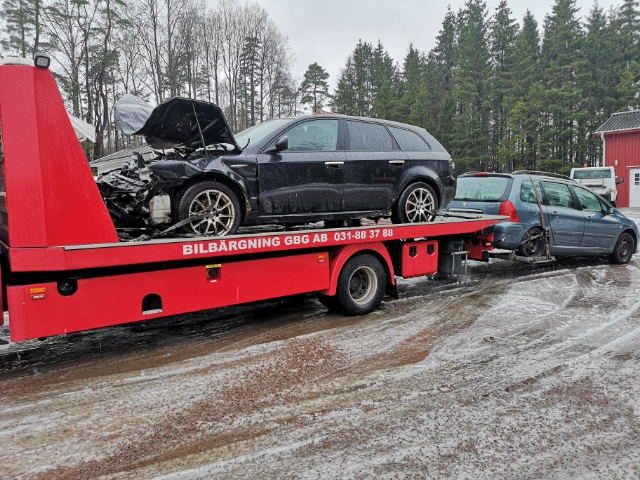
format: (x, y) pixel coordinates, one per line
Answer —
(510, 371)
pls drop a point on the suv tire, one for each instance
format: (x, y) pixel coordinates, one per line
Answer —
(415, 204)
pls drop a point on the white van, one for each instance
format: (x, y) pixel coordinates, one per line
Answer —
(601, 180)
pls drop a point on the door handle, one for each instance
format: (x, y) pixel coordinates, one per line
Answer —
(239, 165)
(396, 162)
(555, 213)
(334, 164)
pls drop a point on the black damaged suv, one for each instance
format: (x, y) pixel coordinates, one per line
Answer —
(282, 171)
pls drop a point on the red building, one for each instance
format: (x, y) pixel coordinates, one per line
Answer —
(621, 150)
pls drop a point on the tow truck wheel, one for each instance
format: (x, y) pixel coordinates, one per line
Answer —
(532, 244)
(624, 249)
(361, 285)
(415, 204)
(215, 207)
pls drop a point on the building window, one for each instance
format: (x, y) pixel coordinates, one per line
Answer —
(637, 179)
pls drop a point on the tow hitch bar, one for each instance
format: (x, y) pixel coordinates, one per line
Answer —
(518, 258)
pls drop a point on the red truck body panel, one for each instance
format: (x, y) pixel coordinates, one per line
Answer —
(50, 195)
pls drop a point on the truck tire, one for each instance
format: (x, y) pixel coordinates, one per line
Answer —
(415, 204)
(625, 247)
(361, 285)
(332, 302)
(214, 198)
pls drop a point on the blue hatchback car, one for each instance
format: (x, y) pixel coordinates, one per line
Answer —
(579, 221)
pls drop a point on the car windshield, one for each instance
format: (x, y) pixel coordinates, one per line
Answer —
(253, 135)
(481, 188)
(580, 174)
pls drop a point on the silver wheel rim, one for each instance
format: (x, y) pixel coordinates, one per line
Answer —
(625, 249)
(219, 210)
(418, 206)
(363, 284)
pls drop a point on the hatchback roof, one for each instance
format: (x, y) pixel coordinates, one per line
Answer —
(516, 173)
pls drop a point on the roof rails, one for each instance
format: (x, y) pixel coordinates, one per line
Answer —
(542, 174)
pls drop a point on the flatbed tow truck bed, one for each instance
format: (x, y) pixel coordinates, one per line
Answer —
(64, 269)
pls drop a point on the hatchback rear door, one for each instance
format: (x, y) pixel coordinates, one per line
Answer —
(481, 193)
(566, 222)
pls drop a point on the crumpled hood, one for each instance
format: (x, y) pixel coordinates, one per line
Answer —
(174, 123)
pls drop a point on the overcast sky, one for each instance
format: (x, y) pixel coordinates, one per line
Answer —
(326, 31)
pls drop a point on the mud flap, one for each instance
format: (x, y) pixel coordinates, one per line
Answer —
(392, 290)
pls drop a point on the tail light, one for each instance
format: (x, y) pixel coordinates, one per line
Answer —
(507, 208)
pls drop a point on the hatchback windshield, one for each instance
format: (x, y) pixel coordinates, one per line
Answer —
(253, 135)
(481, 188)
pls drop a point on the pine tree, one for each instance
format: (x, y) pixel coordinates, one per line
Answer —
(471, 80)
(314, 87)
(502, 44)
(563, 61)
(22, 26)
(440, 85)
(525, 95)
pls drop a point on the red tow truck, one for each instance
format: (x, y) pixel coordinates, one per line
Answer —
(64, 268)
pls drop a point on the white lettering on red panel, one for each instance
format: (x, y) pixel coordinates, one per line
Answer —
(248, 245)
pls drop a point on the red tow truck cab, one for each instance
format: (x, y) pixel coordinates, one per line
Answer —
(64, 268)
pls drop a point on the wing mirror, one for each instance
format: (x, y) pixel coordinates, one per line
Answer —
(282, 144)
(610, 211)
(620, 181)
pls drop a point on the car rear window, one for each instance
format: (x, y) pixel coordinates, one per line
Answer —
(369, 136)
(580, 174)
(409, 141)
(482, 188)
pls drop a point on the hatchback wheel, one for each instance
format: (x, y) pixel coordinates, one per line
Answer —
(214, 207)
(418, 203)
(532, 244)
(624, 249)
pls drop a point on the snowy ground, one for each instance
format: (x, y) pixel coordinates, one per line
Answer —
(510, 371)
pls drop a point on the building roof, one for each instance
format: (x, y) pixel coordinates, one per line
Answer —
(620, 121)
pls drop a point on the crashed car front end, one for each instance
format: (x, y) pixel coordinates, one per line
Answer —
(188, 136)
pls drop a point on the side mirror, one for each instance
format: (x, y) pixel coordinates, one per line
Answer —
(610, 211)
(282, 144)
(618, 182)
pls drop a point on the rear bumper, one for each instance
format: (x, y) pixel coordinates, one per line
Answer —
(508, 235)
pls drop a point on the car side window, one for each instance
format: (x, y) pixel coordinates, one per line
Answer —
(313, 136)
(409, 141)
(527, 194)
(369, 136)
(588, 201)
(558, 195)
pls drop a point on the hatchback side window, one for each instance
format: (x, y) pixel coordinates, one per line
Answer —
(558, 194)
(313, 136)
(409, 141)
(369, 136)
(528, 194)
(588, 200)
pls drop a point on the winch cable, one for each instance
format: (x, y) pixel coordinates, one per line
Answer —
(545, 230)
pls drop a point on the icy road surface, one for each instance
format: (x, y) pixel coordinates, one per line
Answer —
(509, 371)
